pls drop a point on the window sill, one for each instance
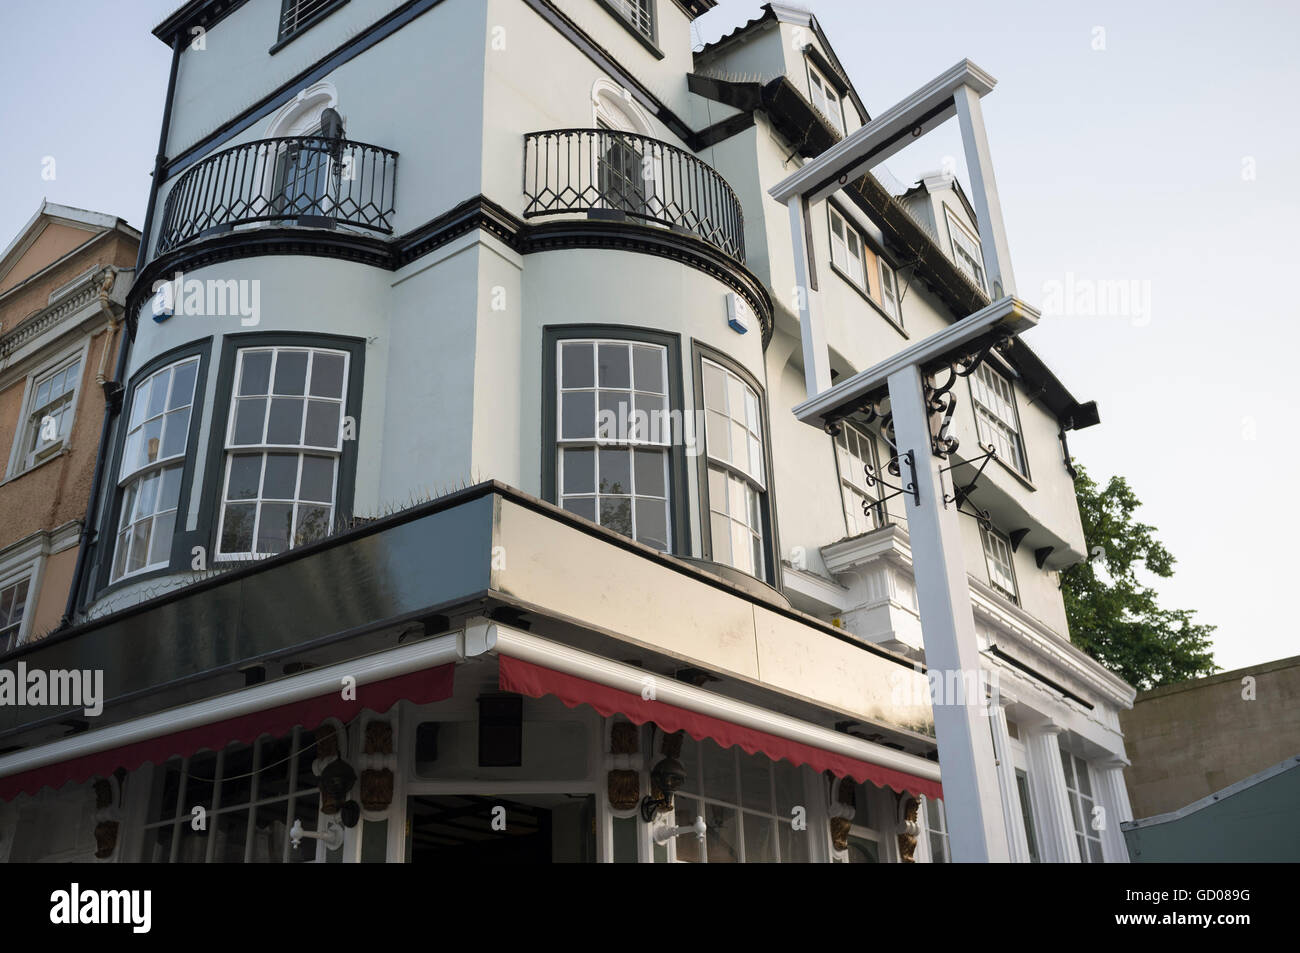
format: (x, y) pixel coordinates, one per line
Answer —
(869, 300)
(316, 18)
(636, 34)
(63, 452)
(1023, 480)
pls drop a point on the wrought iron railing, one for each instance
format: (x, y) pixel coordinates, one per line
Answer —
(613, 174)
(299, 180)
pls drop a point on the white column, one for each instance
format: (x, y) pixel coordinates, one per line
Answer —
(816, 356)
(971, 797)
(1017, 841)
(1056, 838)
(1114, 799)
(984, 189)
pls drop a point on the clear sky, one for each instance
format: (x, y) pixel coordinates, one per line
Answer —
(1150, 144)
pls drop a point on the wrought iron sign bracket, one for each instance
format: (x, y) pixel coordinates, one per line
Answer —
(911, 488)
(961, 493)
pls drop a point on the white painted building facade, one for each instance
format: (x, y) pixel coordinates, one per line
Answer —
(416, 249)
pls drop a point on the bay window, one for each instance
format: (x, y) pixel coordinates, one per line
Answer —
(283, 448)
(613, 433)
(153, 462)
(736, 482)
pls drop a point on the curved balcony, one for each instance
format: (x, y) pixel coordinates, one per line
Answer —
(613, 175)
(307, 181)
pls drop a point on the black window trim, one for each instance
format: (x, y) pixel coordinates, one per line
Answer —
(771, 542)
(678, 490)
(284, 39)
(215, 466)
(182, 540)
(651, 43)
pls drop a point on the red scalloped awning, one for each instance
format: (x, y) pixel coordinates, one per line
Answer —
(525, 678)
(422, 687)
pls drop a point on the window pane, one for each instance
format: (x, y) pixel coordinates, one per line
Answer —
(183, 385)
(322, 424)
(148, 496)
(647, 363)
(715, 387)
(273, 528)
(578, 365)
(256, 374)
(579, 471)
(250, 414)
(317, 479)
(291, 372)
(175, 432)
(285, 423)
(755, 783)
(652, 523)
(281, 477)
(650, 477)
(237, 528)
(582, 506)
(313, 524)
(760, 839)
(327, 375)
(150, 442)
(721, 527)
(158, 395)
(160, 548)
(616, 514)
(578, 415)
(614, 368)
(615, 472)
(245, 476)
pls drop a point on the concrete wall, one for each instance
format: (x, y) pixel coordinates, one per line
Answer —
(1189, 740)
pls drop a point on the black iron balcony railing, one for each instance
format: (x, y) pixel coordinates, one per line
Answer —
(302, 180)
(613, 174)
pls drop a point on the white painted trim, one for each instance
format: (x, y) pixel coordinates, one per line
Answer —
(1009, 315)
(530, 648)
(373, 668)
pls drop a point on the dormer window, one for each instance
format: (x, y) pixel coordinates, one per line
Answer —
(826, 98)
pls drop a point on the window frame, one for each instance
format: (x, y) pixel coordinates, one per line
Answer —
(824, 83)
(26, 575)
(1076, 797)
(284, 37)
(882, 267)
(22, 460)
(650, 42)
(103, 580)
(940, 832)
(215, 466)
(955, 228)
(767, 495)
(991, 532)
(846, 485)
(1023, 788)
(553, 336)
(978, 407)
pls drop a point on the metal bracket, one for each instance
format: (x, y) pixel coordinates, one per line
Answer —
(961, 494)
(873, 480)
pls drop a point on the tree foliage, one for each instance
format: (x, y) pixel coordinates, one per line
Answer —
(1113, 616)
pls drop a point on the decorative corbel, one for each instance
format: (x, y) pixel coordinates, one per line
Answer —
(909, 829)
(108, 799)
(377, 763)
(841, 811)
(623, 781)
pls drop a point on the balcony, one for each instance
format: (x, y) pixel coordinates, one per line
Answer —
(303, 181)
(615, 175)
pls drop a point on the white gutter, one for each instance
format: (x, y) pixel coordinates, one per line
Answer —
(529, 648)
(374, 668)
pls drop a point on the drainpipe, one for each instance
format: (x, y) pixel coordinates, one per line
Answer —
(113, 390)
(1065, 449)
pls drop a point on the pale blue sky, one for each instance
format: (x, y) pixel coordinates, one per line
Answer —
(1117, 164)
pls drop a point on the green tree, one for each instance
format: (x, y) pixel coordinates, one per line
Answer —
(1112, 615)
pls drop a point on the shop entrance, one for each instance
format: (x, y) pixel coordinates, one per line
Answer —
(501, 829)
